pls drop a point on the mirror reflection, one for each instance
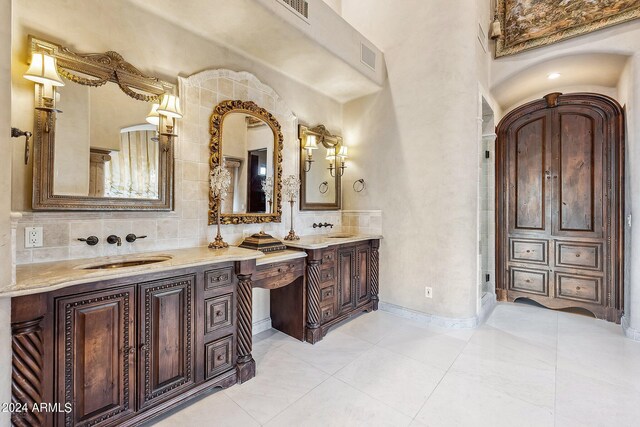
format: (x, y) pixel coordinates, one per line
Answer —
(248, 154)
(104, 145)
(320, 185)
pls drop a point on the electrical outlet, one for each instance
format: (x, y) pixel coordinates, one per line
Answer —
(629, 220)
(428, 292)
(33, 237)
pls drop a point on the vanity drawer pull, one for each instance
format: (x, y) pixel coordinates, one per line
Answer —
(218, 278)
(218, 313)
(218, 356)
(327, 293)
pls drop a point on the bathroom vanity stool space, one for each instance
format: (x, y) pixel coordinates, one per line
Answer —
(123, 350)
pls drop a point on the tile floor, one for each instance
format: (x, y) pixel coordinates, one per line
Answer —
(525, 366)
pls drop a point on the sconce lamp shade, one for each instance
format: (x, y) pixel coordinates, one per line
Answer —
(43, 70)
(153, 117)
(170, 106)
(342, 152)
(311, 143)
(331, 154)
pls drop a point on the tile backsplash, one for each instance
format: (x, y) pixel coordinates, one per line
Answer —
(187, 225)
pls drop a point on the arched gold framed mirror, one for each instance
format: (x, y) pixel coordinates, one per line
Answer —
(248, 141)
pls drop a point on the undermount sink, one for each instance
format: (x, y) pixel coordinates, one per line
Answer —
(125, 263)
(340, 236)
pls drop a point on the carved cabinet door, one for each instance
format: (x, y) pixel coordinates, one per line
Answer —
(166, 337)
(362, 279)
(346, 279)
(96, 356)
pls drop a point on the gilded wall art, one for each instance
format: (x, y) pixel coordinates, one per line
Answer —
(528, 24)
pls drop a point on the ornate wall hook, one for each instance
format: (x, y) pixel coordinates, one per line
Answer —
(17, 133)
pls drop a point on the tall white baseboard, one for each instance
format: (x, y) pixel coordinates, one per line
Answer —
(261, 326)
(488, 304)
(630, 332)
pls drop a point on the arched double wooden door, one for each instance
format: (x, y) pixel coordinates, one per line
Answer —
(559, 203)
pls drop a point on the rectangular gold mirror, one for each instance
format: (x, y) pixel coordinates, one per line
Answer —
(96, 145)
(320, 178)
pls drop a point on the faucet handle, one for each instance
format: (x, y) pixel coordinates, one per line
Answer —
(132, 237)
(91, 240)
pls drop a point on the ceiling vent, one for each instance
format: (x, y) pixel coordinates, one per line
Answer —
(300, 6)
(367, 56)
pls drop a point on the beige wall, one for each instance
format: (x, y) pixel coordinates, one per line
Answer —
(416, 145)
(5, 209)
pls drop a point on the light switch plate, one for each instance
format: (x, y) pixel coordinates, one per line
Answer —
(33, 237)
(428, 292)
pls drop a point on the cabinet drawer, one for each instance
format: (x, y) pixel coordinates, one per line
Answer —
(533, 281)
(580, 288)
(327, 275)
(276, 275)
(327, 313)
(328, 256)
(578, 255)
(528, 250)
(328, 293)
(218, 278)
(218, 313)
(218, 356)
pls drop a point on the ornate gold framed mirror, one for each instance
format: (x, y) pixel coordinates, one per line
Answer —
(320, 185)
(96, 146)
(248, 141)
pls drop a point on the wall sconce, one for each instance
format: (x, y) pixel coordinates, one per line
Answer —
(43, 70)
(153, 117)
(309, 146)
(333, 155)
(169, 109)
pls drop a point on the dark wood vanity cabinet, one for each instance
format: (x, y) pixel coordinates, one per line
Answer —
(120, 352)
(342, 280)
(95, 357)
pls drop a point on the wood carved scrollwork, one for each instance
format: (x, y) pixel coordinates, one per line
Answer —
(215, 147)
(246, 364)
(313, 294)
(375, 266)
(26, 376)
(244, 317)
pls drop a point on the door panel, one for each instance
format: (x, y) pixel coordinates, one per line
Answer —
(95, 362)
(346, 273)
(363, 289)
(166, 334)
(578, 178)
(528, 164)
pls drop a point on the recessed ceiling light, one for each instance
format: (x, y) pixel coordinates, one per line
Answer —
(553, 76)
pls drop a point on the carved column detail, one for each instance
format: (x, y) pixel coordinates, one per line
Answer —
(26, 377)
(375, 262)
(313, 294)
(246, 364)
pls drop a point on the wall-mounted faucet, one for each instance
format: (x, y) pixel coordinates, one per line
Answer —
(320, 225)
(113, 239)
(132, 238)
(91, 240)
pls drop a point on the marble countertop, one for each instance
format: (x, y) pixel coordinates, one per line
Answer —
(324, 241)
(49, 276)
